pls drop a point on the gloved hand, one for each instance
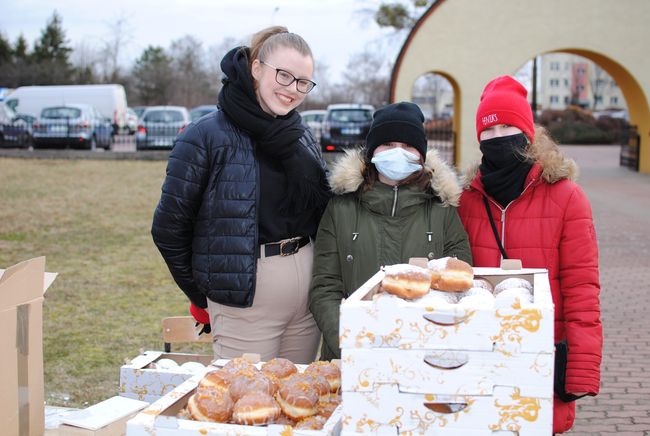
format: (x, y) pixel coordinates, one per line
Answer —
(202, 317)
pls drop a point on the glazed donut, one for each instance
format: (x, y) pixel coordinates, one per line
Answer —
(315, 422)
(279, 368)
(246, 382)
(329, 370)
(218, 380)
(406, 281)
(255, 408)
(450, 274)
(318, 382)
(239, 363)
(297, 397)
(326, 408)
(283, 419)
(513, 282)
(210, 405)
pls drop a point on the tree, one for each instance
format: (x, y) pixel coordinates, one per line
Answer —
(153, 77)
(367, 80)
(120, 35)
(5, 50)
(51, 54)
(192, 84)
(401, 15)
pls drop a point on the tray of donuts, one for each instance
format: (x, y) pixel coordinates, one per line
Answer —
(241, 397)
(446, 304)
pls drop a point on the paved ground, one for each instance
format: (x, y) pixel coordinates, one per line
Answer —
(620, 200)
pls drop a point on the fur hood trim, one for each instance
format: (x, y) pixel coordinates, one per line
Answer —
(347, 175)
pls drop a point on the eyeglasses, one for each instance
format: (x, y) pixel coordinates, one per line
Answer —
(285, 78)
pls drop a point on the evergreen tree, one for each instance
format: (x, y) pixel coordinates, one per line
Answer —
(153, 77)
(51, 54)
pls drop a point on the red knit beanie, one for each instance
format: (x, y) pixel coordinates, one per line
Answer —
(504, 102)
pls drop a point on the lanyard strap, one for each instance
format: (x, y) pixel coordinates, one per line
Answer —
(494, 228)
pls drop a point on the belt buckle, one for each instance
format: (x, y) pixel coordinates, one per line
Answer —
(289, 241)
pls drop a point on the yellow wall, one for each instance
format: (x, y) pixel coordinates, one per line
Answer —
(474, 41)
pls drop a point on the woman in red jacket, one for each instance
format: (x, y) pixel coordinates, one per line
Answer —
(522, 203)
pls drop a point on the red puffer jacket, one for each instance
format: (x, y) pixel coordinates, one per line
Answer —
(549, 226)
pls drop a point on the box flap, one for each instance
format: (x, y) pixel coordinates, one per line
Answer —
(24, 282)
(104, 413)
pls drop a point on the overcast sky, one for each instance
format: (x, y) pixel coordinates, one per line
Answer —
(335, 29)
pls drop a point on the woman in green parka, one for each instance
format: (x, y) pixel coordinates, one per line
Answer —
(393, 201)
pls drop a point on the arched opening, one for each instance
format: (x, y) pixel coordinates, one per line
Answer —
(582, 98)
(436, 93)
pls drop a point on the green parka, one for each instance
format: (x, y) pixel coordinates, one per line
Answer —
(362, 231)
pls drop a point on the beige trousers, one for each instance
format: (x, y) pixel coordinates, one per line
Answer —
(279, 324)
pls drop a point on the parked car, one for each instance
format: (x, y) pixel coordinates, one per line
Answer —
(159, 126)
(15, 129)
(346, 126)
(199, 111)
(314, 120)
(75, 125)
(139, 110)
(131, 121)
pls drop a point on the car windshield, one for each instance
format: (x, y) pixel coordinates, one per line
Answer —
(163, 116)
(56, 113)
(351, 115)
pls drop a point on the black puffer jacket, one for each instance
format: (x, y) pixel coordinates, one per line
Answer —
(205, 225)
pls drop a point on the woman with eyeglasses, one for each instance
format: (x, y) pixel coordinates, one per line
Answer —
(245, 189)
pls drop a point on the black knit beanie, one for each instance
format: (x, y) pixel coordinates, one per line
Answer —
(397, 122)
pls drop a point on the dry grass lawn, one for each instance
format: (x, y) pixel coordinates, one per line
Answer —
(91, 219)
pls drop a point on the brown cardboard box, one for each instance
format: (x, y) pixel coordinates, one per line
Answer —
(22, 287)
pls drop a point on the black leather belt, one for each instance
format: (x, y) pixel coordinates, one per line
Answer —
(286, 247)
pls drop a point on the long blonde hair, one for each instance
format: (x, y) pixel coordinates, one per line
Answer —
(545, 151)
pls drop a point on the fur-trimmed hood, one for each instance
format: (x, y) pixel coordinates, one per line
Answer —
(347, 176)
(544, 152)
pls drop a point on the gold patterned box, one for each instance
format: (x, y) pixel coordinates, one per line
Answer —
(370, 319)
(386, 410)
(160, 418)
(147, 378)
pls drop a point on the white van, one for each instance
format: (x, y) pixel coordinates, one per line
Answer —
(109, 100)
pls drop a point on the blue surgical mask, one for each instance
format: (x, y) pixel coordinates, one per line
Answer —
(396, 164)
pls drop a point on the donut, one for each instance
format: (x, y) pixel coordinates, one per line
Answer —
(239, 363)
(279, 368)
(315, 422)
(513, 282)
(326, 408)
(511, 296)
(219, 380)
(436, 298)
(476, 298)
(329, 370)
(482, 283)
(210, 406)
(297, 397)
(318, 382)
(255, 408)
(406, 281)
(283, 419)
(246, 382)
(450, 274)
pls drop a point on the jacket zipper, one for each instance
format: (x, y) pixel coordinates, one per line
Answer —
(395, 188)
(503, 215)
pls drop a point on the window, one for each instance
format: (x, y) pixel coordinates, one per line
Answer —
(566, 99)
(555, 83)
(555, 99)
(613, 100)
(599, 99)
(566, 83)
(555, 66)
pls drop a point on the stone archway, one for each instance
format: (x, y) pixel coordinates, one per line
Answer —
(475, 41)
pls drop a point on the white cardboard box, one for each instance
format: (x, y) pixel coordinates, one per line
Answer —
(386, 410)
(160, 419)
(22, 289)
(391, 322)
(139, 382)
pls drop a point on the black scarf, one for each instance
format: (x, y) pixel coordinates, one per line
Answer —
(504, 168)
(277, 137)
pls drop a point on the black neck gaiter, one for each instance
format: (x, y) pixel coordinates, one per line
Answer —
(504, 168)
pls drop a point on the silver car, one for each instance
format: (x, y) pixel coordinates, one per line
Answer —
(72, 125)
(159, 126)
